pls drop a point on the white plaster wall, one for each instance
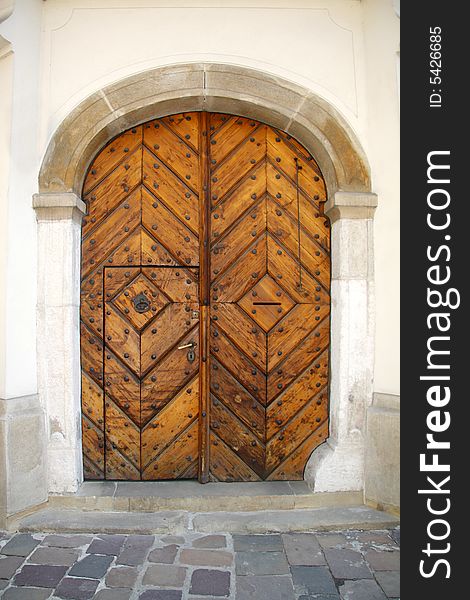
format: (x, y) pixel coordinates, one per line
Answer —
(6, 95)
(344, 50)
(21, 161)
(381, 43)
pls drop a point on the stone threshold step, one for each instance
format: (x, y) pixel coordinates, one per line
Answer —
(194, 497)
(178, 522)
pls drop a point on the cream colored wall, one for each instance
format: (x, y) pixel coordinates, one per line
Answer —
(20, 163)
(381, 43)
(341, 49)
(6, 84)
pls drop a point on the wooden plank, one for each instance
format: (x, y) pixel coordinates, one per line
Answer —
(285, 192)
(291, 436)
(290, 332)
(166, 187)
(115, 152)
(122, 386)
(111, 192)
(293, 467)
(236, 166)
(166, 228)
(91, 472)
(111, 233)
(174, 461)
(122, 339)
(286, 271)
(247, 192)
(154, 253)
(164, 428)
(174, 152)
(226, 140)
(299, 359)
(93, 449)
(247, 373)
(115, 280)
(92, 401)
(118, 467)
(122, 435)
(169, 328)
(185, 124)
(217, 120)
(240, 277)
(237, 240)
(127, 253)
(91, 355)
(282, 154)
(168, 377)
(226, 465)
(91, 302)
(179, 285)
(241, 331)
(283, 227)
(299, 393)
(225, 388)
(240, 439)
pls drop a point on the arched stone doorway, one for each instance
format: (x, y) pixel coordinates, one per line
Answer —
(336, 465)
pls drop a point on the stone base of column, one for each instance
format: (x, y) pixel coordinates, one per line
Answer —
(23, 456)
(337, 467)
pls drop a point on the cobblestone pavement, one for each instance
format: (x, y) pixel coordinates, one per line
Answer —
(346, 565)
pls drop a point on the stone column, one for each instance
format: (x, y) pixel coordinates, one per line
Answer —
(338, 464)
(59, 231)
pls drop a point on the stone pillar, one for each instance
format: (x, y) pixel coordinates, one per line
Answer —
(338, 464)
(59, 231)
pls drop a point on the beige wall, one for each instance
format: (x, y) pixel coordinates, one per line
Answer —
(344, 50)
(381, 43)
(20, 163)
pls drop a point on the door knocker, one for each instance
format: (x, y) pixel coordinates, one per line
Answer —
(141, 303)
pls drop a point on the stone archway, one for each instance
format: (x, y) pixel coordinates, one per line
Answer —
(337, 464)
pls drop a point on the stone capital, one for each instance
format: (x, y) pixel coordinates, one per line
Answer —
(351, 205)
(58, 207)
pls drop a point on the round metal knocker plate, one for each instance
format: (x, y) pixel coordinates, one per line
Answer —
(141, 303)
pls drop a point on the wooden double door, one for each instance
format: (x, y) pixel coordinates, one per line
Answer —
(204, 303)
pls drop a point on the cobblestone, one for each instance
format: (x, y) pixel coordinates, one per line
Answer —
(346, 565)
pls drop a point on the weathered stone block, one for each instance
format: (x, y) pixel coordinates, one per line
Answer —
(267, 543)
(261, 563)
(361, 589)
(121, 577)
(274, 588)
(313, 580)
(92, 566)
(164, 575)
(40, 576)
(303, 549)
(210, 558)
(347, 564)
(76, 589)
(54, 556)
(21, 544)
(207, 582)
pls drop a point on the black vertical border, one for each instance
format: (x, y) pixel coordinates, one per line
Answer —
(423, 130)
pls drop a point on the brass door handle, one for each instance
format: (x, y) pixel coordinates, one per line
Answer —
(190, 345)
